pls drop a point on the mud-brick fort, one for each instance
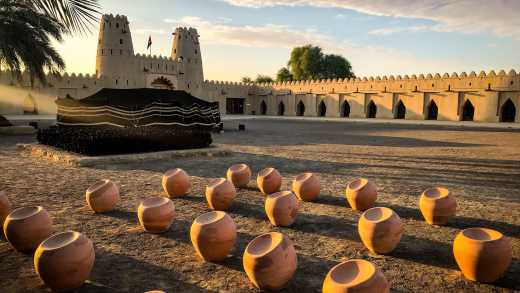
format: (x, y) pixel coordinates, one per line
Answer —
(488, 97)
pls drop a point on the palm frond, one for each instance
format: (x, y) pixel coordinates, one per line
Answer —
(75, 15)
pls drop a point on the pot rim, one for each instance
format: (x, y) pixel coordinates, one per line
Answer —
(358, 184)
(280, 194)
(253, 250)
(25, 213)
(174, 171)
(54, 243)
(353, 279)
(266, 172)
(238, 167)
(493, 235)
(153, 202)
(98, 185)
(386, 213)
(436, 193)
(210, 218)
(304, 176)
(217, 182)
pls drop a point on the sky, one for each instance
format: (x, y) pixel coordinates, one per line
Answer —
(379, 37)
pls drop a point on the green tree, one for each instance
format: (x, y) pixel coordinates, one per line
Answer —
(309, 62)
(27, 28)
(284, 75)
(247, 79)
(263, 79)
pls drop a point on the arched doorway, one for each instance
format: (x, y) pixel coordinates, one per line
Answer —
(433, 111)
(345, 109)
(371, 110)
(468, 111)
(508, 112)
(281, 109)
(263, 108)
(322, 109)
(300, 109)
(29, 106)
(400, 110)
(162, 83)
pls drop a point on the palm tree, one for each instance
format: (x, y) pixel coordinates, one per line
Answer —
(27, 27)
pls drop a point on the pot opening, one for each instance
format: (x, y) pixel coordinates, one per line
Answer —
(482, 234)
(353, 272)
(154, 202)
(436, 193)
(210, 217)
(217, 182)
(378, 214)
(24, 213)
(303, 177)
(358, 184)
(238, 167)
(173, 172)
(266, 172)
(280, 194)
(60, 240)
(98, 185)
(265, 243)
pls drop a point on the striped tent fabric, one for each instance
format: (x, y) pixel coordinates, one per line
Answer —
(115, 121)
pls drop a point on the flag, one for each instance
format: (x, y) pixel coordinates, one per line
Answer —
(149, 42)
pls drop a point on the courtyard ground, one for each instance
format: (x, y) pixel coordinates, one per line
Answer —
(480, 166)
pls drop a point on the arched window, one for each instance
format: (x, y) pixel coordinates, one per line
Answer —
(345, 109)
(162, 83)
(322, 109)
(300, 109)
(281, 109)
(263, 108)
(29, 106)
(371, 110)
(508, 112)
(400, 110)
(433, 111)
(468, 111)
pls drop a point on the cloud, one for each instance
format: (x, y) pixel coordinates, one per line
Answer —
(146, 31)
(500, 18)
(393, 30)
(263, 36)
(365, 59)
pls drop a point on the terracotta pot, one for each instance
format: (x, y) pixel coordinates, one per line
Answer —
(220, 194)
(306, 186)
(213, 235)
(239, 175)
(270, 261)
(361, 194)
(380, 229)
(482, 254)
(437, 205)
(355, 275)
(5, 207)
(281, 208)
(25, 228)
(64, 260)
(102, 196)
(269, 180)
(156, 214)
(176, 182)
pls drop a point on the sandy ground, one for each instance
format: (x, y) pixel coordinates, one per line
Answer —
(480, 167)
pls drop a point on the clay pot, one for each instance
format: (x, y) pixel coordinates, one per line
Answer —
(239, 175)
(281, 208)
(64, 260)
(306, 186)
(156, 214)
(220, 194)
(355, 275)
(482, 254)
(361, 194)
(270, 261)
(380, 230)
(437, 205)
(213, 235)
(269, 180)
(176, 182)
(25, 228)
(5, 207)
(102, 196)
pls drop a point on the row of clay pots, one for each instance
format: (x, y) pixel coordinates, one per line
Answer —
(63, 261)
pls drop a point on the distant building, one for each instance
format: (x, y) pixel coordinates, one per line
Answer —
(489, 97)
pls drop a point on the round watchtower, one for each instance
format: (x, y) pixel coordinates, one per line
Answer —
(186, 50)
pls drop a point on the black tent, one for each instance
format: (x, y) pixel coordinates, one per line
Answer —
(132, 120)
